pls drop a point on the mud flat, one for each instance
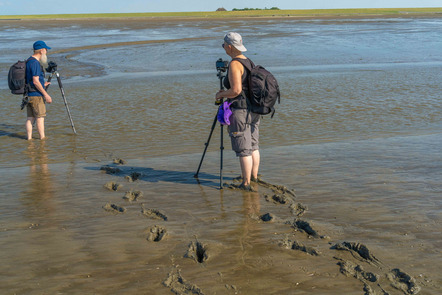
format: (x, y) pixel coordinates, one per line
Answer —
(299, 249)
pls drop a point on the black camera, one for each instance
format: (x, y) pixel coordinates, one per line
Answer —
(222, 65)
(52, 67)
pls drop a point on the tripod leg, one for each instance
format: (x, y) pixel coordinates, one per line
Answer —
(207, 144)
(65, 102)
(221, 160)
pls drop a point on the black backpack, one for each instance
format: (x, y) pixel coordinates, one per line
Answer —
(263, 89)
(17, 77)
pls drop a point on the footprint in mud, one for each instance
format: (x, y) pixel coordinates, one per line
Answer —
(278, 199)
(287, 243)
(156, 233)
(133, 176)
(402, 281)
(358, 250)
(350, 269)
(197, 251)
(113, 186)
(305, 227)
(132, 196)
(298, 209)
(153, 213)
(110, 170)
(119, 161)
(277, 189)
(179, 285)
(114, 208)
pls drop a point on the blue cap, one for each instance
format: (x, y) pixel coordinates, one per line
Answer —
(40, 45)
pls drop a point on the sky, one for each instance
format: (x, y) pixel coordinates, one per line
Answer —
(24, 7)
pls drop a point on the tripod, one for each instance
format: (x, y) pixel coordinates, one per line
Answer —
(221, 76)
(54, 72)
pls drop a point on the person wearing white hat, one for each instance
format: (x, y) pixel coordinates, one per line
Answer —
(244, 125)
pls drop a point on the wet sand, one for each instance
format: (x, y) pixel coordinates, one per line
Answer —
(350, 202)
(83, 230)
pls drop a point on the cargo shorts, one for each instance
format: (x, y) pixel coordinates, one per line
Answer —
(244, 132)
(36, 107)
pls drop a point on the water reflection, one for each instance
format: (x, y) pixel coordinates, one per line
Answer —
(39, 195)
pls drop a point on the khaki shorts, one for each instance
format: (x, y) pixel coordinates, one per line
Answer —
(36, 107)
(244, 132)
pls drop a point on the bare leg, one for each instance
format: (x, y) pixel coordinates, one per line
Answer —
(246, 169)
(256, 158)
(41, 127)
(29, 122)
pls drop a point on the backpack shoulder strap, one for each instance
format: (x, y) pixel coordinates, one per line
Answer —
(247, 63)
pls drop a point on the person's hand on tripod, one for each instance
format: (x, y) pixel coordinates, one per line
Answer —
(219, 97)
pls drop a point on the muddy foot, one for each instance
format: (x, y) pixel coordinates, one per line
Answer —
(179, 285)
(132, 196)
(156, 233)
(402, 281)
(153, 213)
(114, 208)
(240, 187)
(197, 251)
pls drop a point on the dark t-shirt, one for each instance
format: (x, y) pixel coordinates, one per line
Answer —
(33, 68)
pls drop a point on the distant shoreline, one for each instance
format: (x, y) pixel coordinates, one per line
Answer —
(308, 13)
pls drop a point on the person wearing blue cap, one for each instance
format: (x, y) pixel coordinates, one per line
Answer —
(37, 95)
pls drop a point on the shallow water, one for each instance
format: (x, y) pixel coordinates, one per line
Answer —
(357, 136)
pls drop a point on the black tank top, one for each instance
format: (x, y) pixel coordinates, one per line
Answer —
(239, 102)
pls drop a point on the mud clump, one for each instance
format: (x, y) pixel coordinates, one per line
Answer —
(153, 213)
(113, 186)
(132, 196)
(156, 233)
(114, 208)
(268, 217)
(357, 248)
(179, 285)
(197, 251)
(110, 170)
(134, 176)
(402, 281)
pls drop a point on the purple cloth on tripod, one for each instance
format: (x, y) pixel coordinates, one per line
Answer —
(224, 113)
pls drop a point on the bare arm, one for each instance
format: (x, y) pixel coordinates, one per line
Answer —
(40, 88)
